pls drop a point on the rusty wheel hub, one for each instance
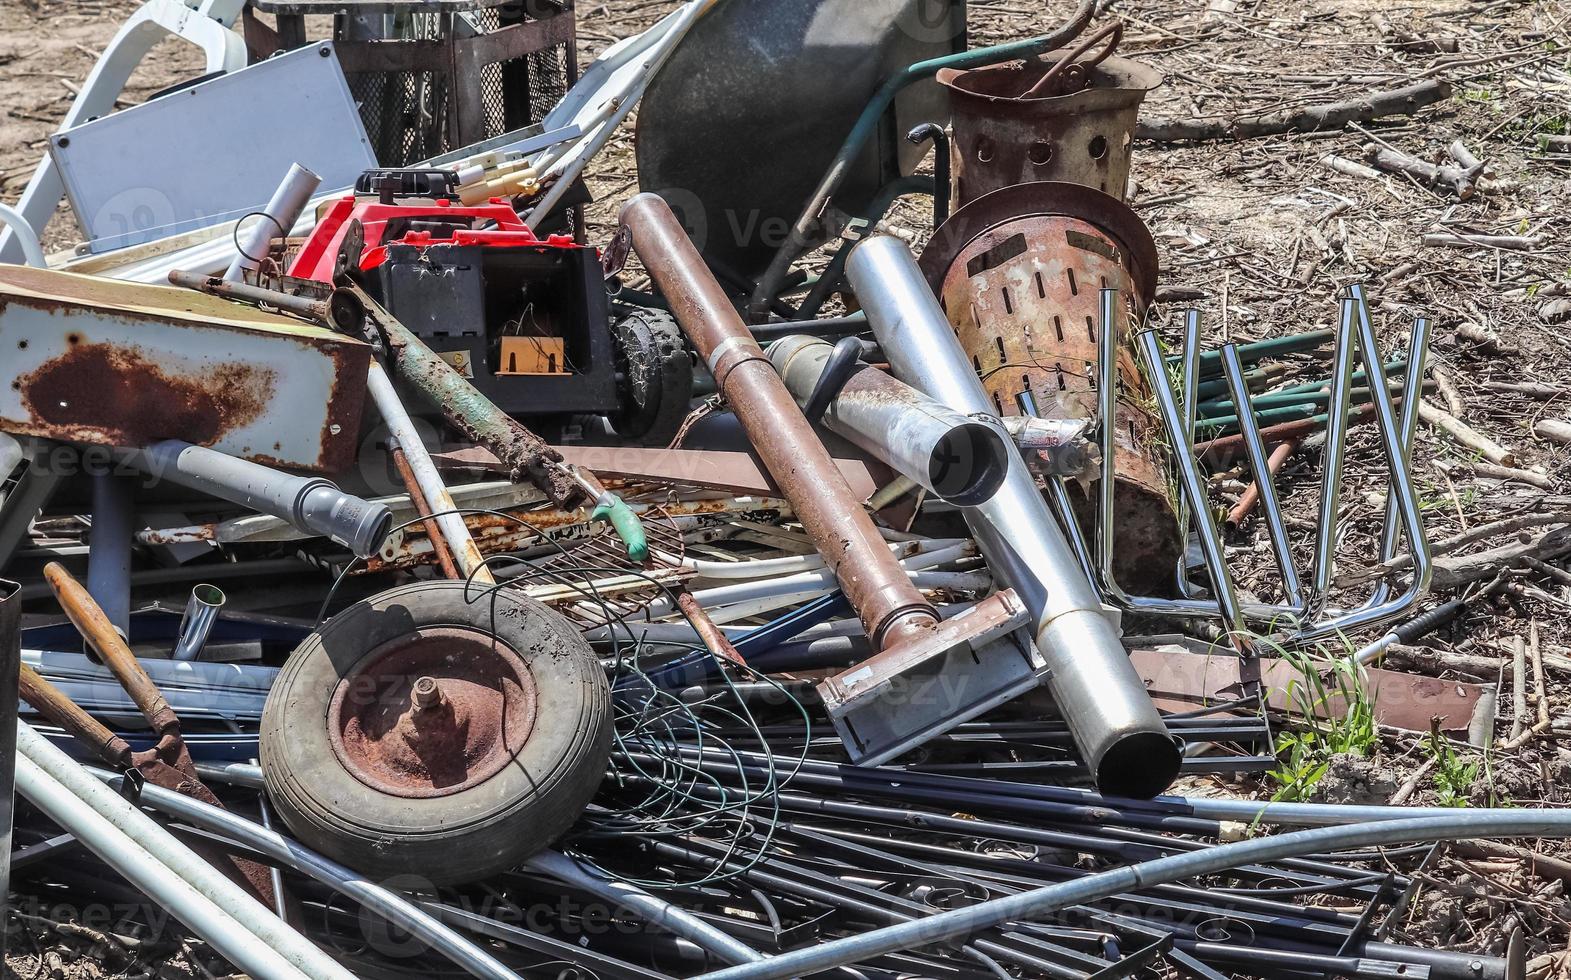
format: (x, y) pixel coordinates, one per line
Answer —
(432, 713)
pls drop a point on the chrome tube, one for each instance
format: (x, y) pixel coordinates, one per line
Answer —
(1040, 902)
(1255, 447)
(1324, 562)
(196, 623)
(1395, 435)
(1191, 365)
(1118, 731)
(949, 454)
(1107, 425)
(1193, 484)
(402, 428)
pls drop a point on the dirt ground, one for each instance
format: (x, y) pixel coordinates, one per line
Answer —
(1265, 235)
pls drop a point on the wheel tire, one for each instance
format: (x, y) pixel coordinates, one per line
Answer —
(473, 832)
(652, 355)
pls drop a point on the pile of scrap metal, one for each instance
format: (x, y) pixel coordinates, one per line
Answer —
(674, 630)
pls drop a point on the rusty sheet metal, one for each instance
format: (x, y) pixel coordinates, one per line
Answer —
(1181, 679)
(98, 361)
(1018, 272)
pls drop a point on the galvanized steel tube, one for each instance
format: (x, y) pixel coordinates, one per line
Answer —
(889, 607)
(1102, 698)
(196, 624)
(345, 881)
(152, 859)
(949, 454)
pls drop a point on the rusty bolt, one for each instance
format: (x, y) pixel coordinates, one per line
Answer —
(425, 694)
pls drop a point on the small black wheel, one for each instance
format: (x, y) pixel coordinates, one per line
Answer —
(440, 730)
(652, 357)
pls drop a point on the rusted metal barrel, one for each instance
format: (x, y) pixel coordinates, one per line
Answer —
(1002, 138)
(891, 609)
(1018, 272)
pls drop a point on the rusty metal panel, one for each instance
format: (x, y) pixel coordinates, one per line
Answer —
(110, 363)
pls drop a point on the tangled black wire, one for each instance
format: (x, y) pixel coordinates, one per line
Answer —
(652, 789)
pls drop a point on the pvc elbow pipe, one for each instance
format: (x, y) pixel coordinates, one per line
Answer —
(1117, 729)
(26, 237)
(310, 503)
(951, 455)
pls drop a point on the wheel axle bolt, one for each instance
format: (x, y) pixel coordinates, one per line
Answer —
(425, 694)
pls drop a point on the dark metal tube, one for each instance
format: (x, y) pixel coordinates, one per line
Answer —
(10, 668)
(109, 557)
(1103, 700)
(877, 587)
(952, 455)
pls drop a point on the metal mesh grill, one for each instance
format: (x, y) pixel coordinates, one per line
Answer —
(407, 114)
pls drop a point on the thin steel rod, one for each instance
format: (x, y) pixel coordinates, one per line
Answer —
(1192, 482)
(1324, 562)
(1191, 367)
(1259, 463)
(672, 918)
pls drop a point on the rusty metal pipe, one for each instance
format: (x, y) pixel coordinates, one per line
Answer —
(433, 533)
(952, 455)
(889, 606)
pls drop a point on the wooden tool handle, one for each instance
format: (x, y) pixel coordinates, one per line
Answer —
(52, 703)
(101, 635)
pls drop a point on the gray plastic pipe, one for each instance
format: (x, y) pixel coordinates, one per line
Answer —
(1039, 902)
(1102, 698)
(152, 859)
(196, 624)
(345, 881)
(310, 503)
(280, 215)
(956, 457)
(24, 235)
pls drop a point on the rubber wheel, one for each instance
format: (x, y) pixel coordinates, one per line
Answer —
(652, 356)
(476, 823)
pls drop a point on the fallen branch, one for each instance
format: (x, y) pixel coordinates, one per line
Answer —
(1509, 525)
(1463, 433)
(1555, 430)
(1305, 119)
(1454, 179)
(1539, 865)
(1511, 474)
(1457, 239)
(1453, 573)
